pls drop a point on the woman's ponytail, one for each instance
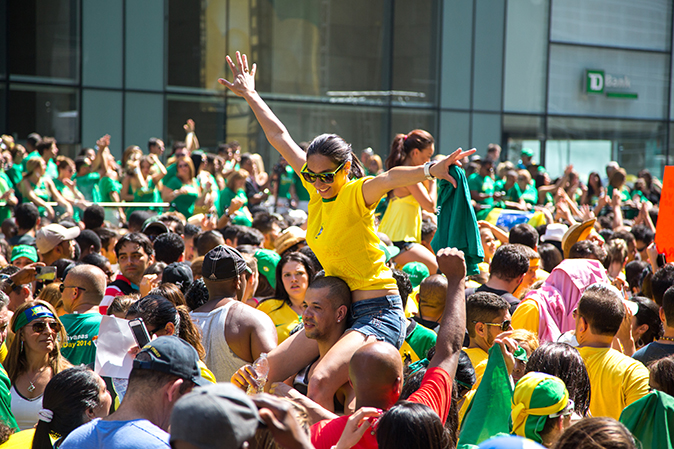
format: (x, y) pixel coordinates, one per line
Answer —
(397, 154)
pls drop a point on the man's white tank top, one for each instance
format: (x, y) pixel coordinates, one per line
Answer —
(220, 359)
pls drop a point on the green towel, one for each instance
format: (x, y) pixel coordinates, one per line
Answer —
(488, 414)
(651, 420)
(457, 225)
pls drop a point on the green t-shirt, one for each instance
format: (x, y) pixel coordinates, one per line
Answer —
(530, 194)
(88, 185)
(484, 185)
(419, 341)
(226, 197)
(300, 190)
(67, 194)
(82, 330)
(183, 203)
(170, 175)
(285, 181)
(499, 184)
(107, 186)
(15, 174)
(5, 186)
(6, 415)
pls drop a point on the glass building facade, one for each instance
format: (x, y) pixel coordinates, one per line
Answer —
(577, 81)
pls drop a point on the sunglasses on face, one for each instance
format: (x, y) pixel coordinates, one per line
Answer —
(62, 287)
(326, 178)
(40, 326)
(504, 325)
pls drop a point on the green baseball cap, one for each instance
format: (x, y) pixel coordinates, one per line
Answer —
(267, 260)
(417, 272)
(24, 251)
(389, 251)
(528, 152)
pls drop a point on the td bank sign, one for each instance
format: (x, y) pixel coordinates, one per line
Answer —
(598, 82)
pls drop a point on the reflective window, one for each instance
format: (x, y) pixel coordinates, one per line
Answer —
(589, 144)
(522, 131)
(617, 75)
(208, 114)
(44, 39)
(643, 24)
(51, 111)
(526, 55)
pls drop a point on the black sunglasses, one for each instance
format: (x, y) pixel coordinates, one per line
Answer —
(40, 326)
(62, 287)
(326, 178)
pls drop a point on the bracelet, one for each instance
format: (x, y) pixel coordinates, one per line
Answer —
(427, 169)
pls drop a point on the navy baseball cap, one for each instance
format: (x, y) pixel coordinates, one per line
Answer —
(171, 355)
(223, 262)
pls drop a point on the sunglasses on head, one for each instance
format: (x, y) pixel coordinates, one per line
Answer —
(40, 326)
(326, 178)
(504, 325)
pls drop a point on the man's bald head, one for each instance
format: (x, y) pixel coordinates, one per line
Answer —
(432, 296)
(376, 372)
(91, 278)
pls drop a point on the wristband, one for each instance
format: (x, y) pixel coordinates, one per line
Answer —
(427, 170)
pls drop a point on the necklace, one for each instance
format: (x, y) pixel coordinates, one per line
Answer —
(667, 338)
(31, 387)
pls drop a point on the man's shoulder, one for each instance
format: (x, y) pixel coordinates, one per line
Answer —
(250, 317)
(93, 318)
(117, 434)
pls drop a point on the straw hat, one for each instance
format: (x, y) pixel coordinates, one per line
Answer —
(576, 233)
(291, 236)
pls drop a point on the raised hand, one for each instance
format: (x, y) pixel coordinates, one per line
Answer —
(441, 169)
(103, 142)
(189, 127)
(452, 263)
(244, 79)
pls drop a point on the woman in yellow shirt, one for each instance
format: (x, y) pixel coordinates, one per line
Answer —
(340, 231)
(402, 219)
(294, 272)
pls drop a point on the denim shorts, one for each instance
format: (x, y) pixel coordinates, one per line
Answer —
(381, 317)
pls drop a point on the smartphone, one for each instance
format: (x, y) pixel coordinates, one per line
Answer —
(45, 273)
(140, 333)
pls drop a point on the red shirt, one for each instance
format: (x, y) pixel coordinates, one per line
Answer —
(435, 392)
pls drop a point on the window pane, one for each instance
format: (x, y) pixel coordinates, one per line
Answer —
(405, 120)
(617, 23)
(144, 45)
(143, 118)
(522, 131)
(486, 130)
(646, 74)
(361, 126)
(457, 39)
(415, 52)
(586, 143)
(526, 46)
(44, 39)
(208, 114)
(454, 132)
(49, 111)
(102, 43)
(488, 54)
(102, 114)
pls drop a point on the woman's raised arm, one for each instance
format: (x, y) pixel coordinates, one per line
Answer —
(243, 86)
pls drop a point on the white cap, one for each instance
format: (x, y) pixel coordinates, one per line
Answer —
(554, 232)
(47, 238)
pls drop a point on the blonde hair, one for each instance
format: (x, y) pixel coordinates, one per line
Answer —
(257, 160)
(525, 337)
(189, 163)
(51, 293)
(32, 165)
(236, 176)
(130, 151)
(16, 363)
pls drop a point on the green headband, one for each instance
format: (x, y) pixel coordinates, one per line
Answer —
(30, 314)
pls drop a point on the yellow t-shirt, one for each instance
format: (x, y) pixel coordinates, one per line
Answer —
(284, 317)
(615, 380)
(527, 316)
(478, 357)
(340, 231)
(3, 352)
(412, 307)
(206, 373)
(19, 440)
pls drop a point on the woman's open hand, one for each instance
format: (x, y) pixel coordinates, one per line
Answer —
(244, 79)
(441, 169)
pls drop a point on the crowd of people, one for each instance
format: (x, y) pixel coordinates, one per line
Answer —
(414, 300)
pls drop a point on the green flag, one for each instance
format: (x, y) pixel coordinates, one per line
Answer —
(651, 420)
(488, 414)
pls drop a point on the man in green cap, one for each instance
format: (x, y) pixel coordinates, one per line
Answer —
(23, 255)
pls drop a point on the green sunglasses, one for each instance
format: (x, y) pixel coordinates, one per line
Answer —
(326, 178)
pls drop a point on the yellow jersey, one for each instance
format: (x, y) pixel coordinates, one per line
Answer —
(341, 233)
(284, 317)
(615, 380)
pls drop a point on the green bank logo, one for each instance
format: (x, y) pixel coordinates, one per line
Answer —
(597, 82)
